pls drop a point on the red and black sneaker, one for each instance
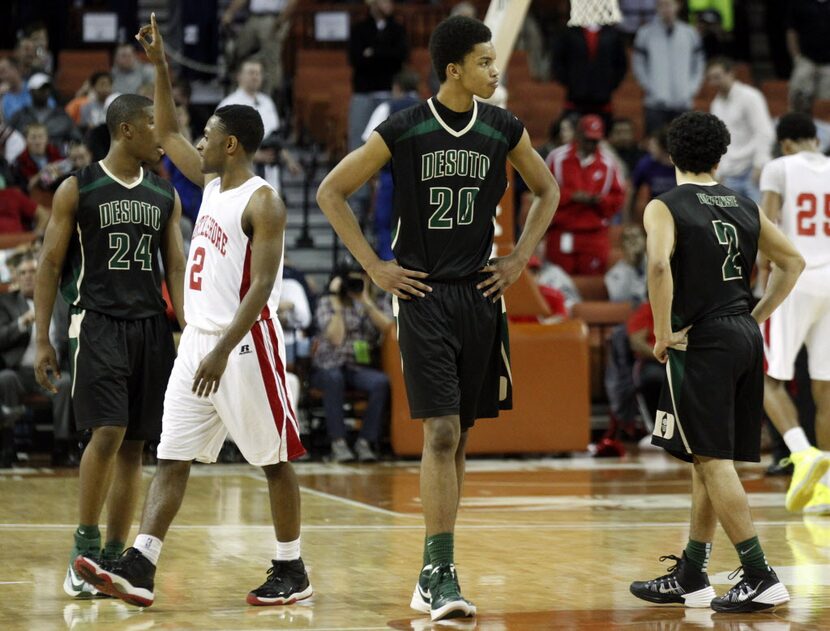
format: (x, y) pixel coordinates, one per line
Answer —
(287, 583)
(129, 577)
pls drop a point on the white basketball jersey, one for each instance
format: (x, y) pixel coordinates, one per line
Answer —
(805, 214)
(219, 265)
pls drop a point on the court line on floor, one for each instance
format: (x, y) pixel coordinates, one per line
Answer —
(581, 525)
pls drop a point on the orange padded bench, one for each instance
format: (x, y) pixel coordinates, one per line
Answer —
(551, 406)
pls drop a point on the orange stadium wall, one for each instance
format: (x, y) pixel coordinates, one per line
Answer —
(550, 364)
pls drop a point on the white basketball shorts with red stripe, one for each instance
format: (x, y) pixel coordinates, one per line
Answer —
(251, 404)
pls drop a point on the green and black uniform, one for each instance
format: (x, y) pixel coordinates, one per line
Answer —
(449, 175)
(120, 339)
(712, 402)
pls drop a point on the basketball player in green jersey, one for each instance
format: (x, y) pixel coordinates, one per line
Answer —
(448, 161)
(109, 222)
(703, 239)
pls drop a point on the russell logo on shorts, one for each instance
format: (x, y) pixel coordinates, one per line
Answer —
(246, 348)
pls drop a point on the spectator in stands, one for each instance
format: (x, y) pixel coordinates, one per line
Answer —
(17, 355)
(549, 276)
(197, 116)
(32, 167)
(264, 33)
(93, 112)
(128, 72)
(668, 64)
(626, 280)
(622, 141)
(808, 24)
(271, 152)
(19, 213)
(649, 374)
(712, 35)
(79, 156)
(15, 93)
(404, 95)
(744, 111)
(591, 193)
(25, 53)
(12, 142)
(43, 110)
(377, 51)
(655, 170)
(39, 36)
(351, 326)
(591, 63)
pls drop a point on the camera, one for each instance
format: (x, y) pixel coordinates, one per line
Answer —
(354, 285)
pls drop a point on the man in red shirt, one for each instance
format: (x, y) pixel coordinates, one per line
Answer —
(592, 192)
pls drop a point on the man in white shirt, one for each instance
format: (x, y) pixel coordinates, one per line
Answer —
(249, 81)
(129, 73)
(745, 112)
(796, 190)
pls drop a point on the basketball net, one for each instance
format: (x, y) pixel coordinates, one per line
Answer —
(594, 12)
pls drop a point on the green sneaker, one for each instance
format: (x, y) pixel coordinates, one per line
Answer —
(420, 597)
(445, 599)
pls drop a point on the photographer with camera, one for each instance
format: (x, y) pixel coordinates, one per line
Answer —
(351, 327)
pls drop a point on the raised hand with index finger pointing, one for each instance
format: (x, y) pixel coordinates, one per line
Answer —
(150, 39)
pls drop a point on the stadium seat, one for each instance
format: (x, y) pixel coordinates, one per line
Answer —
(591, 288)
(76, 66)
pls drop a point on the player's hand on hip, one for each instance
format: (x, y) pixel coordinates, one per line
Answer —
(504, 271)
(677, 340)
(402, 282)
(209, 372)
(150, 38)
(46, 361)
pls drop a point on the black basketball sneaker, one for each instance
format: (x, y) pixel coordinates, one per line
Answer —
(287, 583)
(683, 585)
(757, 591)
(129, 577)
(420, 596)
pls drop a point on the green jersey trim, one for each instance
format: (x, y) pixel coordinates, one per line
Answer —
(101, 181)
(490, 132)
(157, 189)
(426, 127)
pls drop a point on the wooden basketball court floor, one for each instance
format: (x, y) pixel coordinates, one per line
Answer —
(541, 544)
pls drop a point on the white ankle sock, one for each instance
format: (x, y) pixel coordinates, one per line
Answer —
(796, 439)
(149, 546)
(288, 550)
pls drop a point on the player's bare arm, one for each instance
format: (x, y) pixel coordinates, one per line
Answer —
(506, 270)
(771, 204)
(264, 223)
(56, 240)
(787, 265)
(172, 252)
(181, 152)
(659, 225)
(349, 175)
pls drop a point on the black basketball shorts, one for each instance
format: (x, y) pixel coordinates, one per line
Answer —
(119, 371)
(455, 352)
(712, 402)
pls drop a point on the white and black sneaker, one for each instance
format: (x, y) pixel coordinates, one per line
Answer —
(754, 592)
(683, 585)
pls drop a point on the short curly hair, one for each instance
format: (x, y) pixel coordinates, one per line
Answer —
(453, 39)
(795, 126)
(697, 141)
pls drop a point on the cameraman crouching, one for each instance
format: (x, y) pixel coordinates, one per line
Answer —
(351, 326)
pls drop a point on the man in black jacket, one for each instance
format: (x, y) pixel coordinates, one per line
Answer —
(17, 355)
(591, 63)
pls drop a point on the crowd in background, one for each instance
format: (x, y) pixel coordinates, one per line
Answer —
(606, 175)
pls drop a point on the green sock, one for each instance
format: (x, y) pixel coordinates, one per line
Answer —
(698, 554)
(426, 552)
(87, 541)
(112, 550)
(440, 548)
(752, 555)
